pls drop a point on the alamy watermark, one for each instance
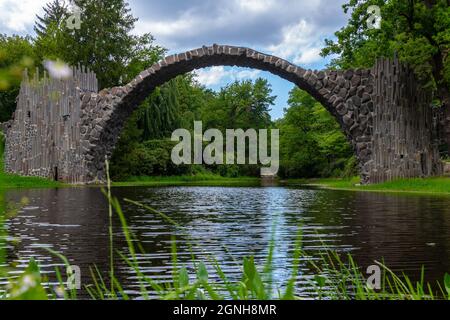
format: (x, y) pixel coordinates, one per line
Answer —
(374, 20)
(374, 280)
(237, 151)
(73, 273)
(74, 20)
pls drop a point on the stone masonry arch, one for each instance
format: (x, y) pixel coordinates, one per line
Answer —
(345, 94)
(64, 129)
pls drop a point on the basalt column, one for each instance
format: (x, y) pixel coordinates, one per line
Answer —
(403, 143)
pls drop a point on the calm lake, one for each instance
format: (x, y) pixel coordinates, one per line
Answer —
(229, 223)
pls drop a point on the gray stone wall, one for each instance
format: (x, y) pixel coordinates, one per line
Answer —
(5, 126)
(43, 139)
(404, 141)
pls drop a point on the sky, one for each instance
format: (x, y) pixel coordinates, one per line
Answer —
(291, 29)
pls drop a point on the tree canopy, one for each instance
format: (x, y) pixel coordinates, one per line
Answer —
(16, 53)
(311, 142)
(418, 31)
(104, 41)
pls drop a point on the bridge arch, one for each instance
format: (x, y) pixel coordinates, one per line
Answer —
(345, 94)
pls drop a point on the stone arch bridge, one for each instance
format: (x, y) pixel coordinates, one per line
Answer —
(383, 112)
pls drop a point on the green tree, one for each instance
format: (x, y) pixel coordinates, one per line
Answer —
(177, 104)
(245, 104)
(103, 42)
(54, 13)
(193, 99)
(311, 141)
(299, 156)
(16, 53)
(174, 105)
(335, 151)
(160, 113)
(417, 30)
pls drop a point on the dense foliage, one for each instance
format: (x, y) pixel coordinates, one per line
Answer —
(311, 142)
(103, 42)
(16, 53)
(179, 103)
(418, 31)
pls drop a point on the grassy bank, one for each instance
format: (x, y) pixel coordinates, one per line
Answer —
(15, 181)
(437, 185)
(196, 180)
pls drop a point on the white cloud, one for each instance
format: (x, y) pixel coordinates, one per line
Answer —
(211, 76)
(309, 56)
(185, 25)
(19, 16)
(256, 6)
(291, 28)
(220, 75)
(301, 43)
(245, 74)
(294, 36)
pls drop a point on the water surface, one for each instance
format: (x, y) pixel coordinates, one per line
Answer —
(229, 223)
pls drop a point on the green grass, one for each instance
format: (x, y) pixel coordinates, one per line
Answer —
(192, 180)
(14, 181)
(436, 185)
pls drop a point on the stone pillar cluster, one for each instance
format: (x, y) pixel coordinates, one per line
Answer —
(404, 140)
(43, 139)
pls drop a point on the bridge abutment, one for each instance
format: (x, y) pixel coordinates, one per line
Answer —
(404, 143)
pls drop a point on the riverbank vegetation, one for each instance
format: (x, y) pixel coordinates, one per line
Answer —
(14, 181)
(311, 143)
(311, 146)
(201, 179)
(434, 185)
